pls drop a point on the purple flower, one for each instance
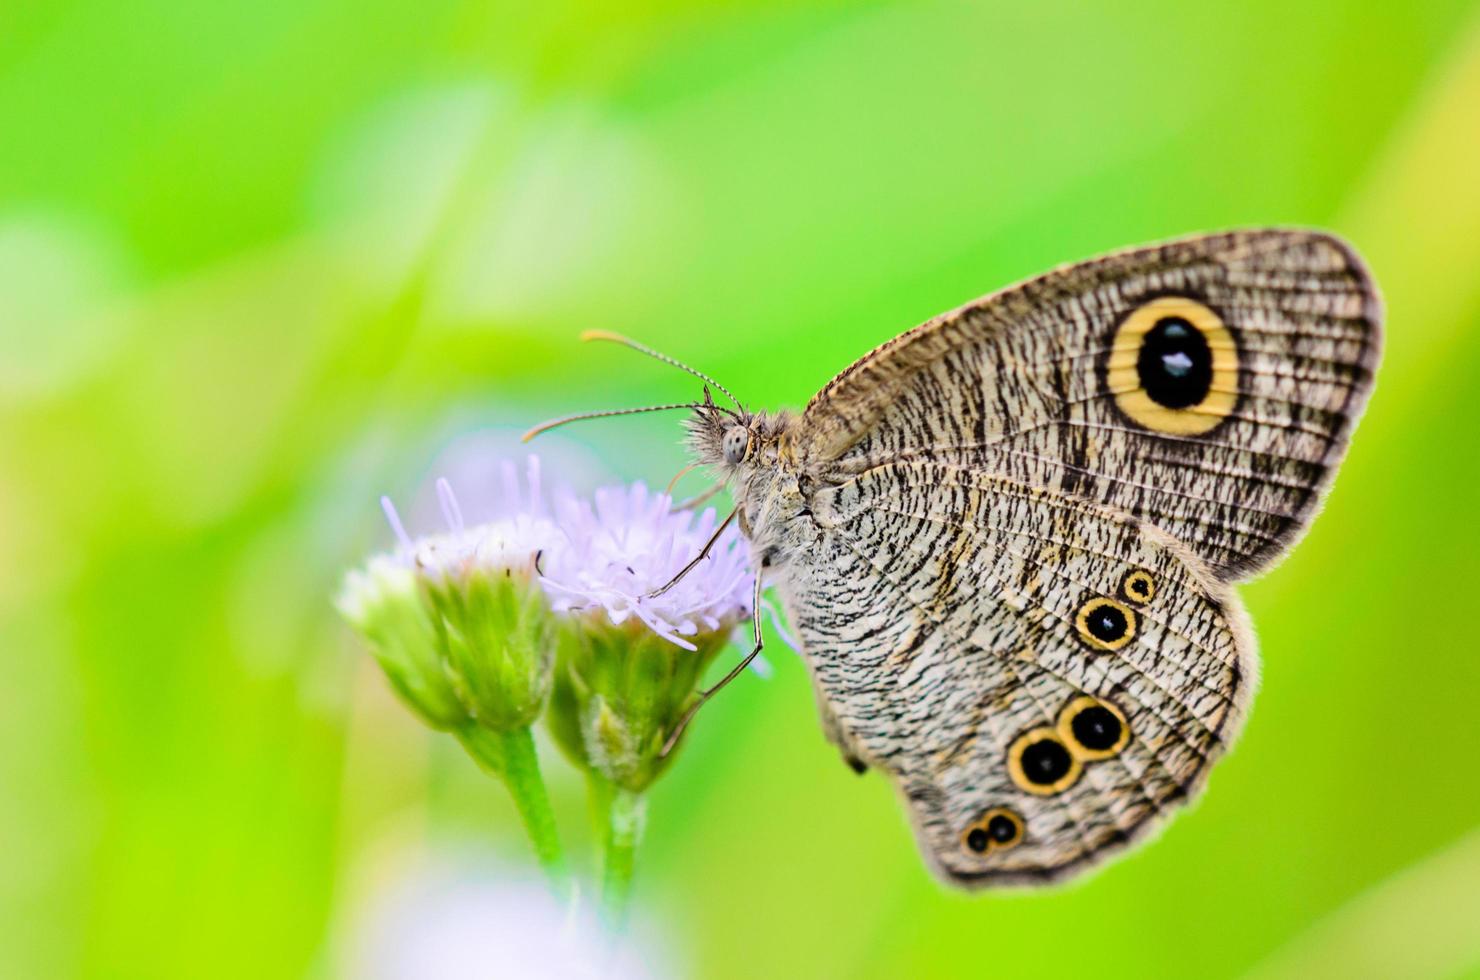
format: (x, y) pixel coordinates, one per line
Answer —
(597, 557)
(604, 554)
(552, 602)
(517, 535)
(628, 542)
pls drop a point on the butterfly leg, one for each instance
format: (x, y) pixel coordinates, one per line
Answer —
(755, 651)
(699, 499)
(703, 554)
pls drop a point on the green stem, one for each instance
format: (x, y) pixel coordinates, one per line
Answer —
(626, 814)
(599, 800)
(511, 757)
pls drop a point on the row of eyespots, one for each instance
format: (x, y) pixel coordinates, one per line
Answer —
(996, 830)
(1044, 761)
(1103, 623)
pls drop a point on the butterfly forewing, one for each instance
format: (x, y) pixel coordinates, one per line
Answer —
(1206, 386)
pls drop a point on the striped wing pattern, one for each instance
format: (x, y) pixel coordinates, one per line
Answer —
(940, 625)
(1024, 518)
(1018, 384)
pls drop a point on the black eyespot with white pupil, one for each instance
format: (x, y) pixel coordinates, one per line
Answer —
(735, 444)
(1106, 623)
(1002, 829)
(1175, 364)
(977, 840)
(1096, 728)
(1046, 762)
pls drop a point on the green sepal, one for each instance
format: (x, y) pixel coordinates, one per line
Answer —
(496, 634)
(383, 604)
(618, 694)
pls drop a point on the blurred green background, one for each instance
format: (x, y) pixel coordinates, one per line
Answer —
(262, 262)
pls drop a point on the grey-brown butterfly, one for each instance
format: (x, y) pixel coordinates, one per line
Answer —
(1006, 539)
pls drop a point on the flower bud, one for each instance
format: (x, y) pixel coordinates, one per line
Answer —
(459, 620)
(495, 633)
(382, 602)
(620, 691)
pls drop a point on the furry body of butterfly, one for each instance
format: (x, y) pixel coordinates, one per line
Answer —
(1006, 538)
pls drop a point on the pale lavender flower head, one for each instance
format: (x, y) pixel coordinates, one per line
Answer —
(489, 624)
(520, 530)
(628, 542)
(602, 554)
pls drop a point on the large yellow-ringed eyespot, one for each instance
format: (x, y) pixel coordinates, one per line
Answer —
(1138, 587)
(1105, 624)
(1093, 728)
(1040, 763)
(996, 830)
(1173, 366)
(736, 444)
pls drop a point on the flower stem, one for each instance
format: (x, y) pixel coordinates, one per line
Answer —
(626, 815)
(511, 757)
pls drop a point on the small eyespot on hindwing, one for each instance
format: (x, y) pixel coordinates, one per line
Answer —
(1040, 763)
(1103, 623)
(1093, 728)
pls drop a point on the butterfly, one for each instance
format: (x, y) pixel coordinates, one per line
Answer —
(1007, 539)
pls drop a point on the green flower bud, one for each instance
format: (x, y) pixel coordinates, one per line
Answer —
(383, 603)
(620, 691)
(496, 635)
(459, 620)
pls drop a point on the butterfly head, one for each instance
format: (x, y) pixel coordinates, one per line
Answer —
(721, 437)
(732, 441)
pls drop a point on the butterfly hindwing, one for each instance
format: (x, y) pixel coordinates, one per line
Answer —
(1041, 677)
(1206, 386)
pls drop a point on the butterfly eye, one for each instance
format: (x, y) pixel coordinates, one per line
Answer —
(1138, 587)
(1093, 728)
(736, 445)
(997, 829)
(1173, 367)
(1040, 763)
(1104, 624)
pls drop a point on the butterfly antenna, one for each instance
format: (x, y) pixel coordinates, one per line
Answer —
(556, 423)
(616, 338)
